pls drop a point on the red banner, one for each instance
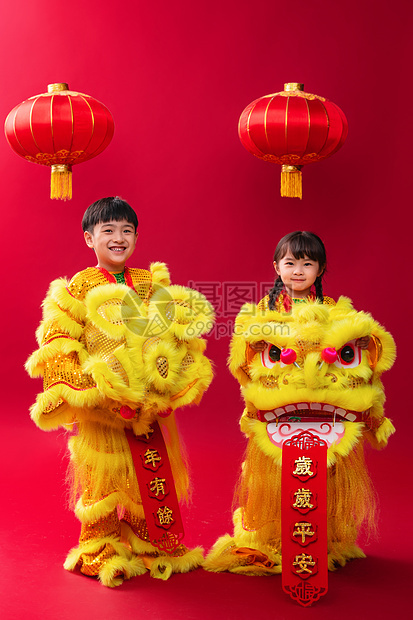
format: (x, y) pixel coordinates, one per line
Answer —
(157, 488)
(304, 518)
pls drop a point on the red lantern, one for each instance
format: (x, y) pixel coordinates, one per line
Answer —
(59, 128)
(292, 128)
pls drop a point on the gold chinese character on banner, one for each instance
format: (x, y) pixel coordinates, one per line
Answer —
(165, 516)
(303, 466)
(152, 457)
(303, 530)
(157, 486)
(303, 499)
(303, 562)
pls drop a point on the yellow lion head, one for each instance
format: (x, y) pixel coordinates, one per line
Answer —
(312, 375)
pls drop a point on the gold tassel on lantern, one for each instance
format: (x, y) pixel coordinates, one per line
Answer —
(291, 182)
(61, 182)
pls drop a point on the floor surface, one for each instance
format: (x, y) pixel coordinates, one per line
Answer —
(38, 530)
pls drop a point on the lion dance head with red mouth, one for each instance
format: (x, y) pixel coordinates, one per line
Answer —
(311, 376)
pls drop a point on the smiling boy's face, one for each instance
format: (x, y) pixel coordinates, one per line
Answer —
(114, 242)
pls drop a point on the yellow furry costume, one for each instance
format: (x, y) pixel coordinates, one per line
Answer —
(328, 385)
(105, 348)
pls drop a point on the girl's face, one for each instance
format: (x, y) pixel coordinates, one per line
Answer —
(297, 274)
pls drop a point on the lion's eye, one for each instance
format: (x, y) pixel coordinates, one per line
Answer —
(274, 353)
(270, 356)
(349, 356)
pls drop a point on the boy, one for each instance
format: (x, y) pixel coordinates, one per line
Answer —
(119, 350)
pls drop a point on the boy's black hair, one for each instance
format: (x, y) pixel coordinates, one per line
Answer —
(300, 243)
(108, 210)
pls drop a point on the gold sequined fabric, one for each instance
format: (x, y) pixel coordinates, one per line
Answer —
(264, 303)
(92, 563)
(106, 526)
(306, 346)
(137, 525)
(179, 551)
(162, 366)
(50, 408)
(245, 368)
(53, 332)
(87, 279)
(142, 283)
(97, 342)
(105, 307)
(65, 369)
(149, 342)
(269, 382)
(187, 361)
(84, 281)
(355, 382)
(170, 310)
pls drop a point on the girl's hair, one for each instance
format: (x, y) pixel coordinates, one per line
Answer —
(300, 243)
(111, 209)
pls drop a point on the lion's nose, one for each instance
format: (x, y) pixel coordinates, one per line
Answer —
(312, 370)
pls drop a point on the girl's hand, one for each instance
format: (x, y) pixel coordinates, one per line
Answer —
(258, 346)
(363, 343)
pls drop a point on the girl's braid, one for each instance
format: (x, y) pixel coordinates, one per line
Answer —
(274, 292)
(319, 288)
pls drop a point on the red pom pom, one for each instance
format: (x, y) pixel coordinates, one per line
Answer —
(126, 412)
(288, 356)
(329, 355)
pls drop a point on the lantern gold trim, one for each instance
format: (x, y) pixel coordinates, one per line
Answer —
(293, 86)
(58, 86)
(61, 182)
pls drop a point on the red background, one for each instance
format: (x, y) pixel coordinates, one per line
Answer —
(176, 77)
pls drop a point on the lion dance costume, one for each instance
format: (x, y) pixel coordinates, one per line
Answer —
(310, 377)
(117, 360)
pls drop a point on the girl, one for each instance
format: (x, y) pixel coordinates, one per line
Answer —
(300, 262)
(289, 392)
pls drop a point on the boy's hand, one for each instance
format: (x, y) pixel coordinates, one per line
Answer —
(258, 346)
(363, 343)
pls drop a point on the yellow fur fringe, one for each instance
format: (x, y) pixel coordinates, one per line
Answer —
(101, 472)
(221, 557)
(183, 312)
(160, 274)
(351, 500)
(121, 565)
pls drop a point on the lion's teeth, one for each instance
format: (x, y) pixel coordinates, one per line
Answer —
(269, 415)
